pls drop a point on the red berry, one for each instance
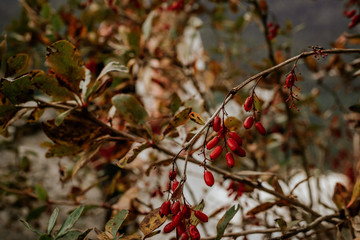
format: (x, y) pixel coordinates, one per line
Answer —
(175, 185)
(209, 178)
(222, 132)
(213, 142)
(177, 219)
(201, 216)
(175, 208)
(181, 228)
(232, 144)
(236, 137)
(240, 152)
(194, 233)
(248, 103)
(230, 160)
(186, 211)
(165, 208)
(260, 128)
(172, 175)
(217, 123)
(216, 152)
(350, 13)
(248, 122)
(169, 227)
(184, 236)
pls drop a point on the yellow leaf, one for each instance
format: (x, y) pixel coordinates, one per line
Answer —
(232, 123)
(152, 221)
(196, 118)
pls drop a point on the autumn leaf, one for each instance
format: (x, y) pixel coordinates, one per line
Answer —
(152, 221)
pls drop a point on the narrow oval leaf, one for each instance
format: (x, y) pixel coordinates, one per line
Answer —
(260, 208)
(232, 123)
(175, 103)
(224, 221)
(282, 224)
(60, 118)
(28, 226)
(113, 225)
(152, 221)
(355, 193)
(52, 220)
(71, 235)
(193, 219)
(195, 117)
(132, 154)
(17, 64)
(70, 221)
(65, 61)
(179, 119)
(341, 195)
(112, 67)
(130, 108)
(41, 192)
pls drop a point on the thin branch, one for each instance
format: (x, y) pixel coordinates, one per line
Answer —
(245, 233)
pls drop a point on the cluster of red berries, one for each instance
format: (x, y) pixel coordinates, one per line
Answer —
(234, 142)
(355, 18)
(249, 121)
(273, 30)
(180, 216)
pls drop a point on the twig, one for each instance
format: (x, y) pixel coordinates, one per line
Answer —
(244, 233)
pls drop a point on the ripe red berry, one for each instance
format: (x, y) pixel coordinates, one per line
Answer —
(181, 228)
(350, 14)
(194, 233)
(213, 142)
(186, 211)
(230, 160)
(165, 208)
(209, 178)
(201, 216)
(248, 122)
(177, 219)
(222, 132)
(172, 175)
(175, 208)
(248, 103)
(169, 227)
(216, 152)
(184, 236)
(236, 137)
(217, 123)
(240, 152)
(232, 144)
(260, 128)
(175, 185)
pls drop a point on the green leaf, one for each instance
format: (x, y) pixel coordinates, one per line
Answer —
(41, 192)
(60, 118)
(130, 108)
(45, 10)
(49, 85)
(224, 221)
(6, 113)
(282, 224)
(71, 235)
(179, 119)
(132, 154)
(65, 61)
(52, 220)
(35, 213)
(3, 47)
(19, 90)
(56, 22)
(113, 225)
(28, 226)
(17, 64)
(45, 237)
(57, 150)
(175, 103)
(69, 222)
